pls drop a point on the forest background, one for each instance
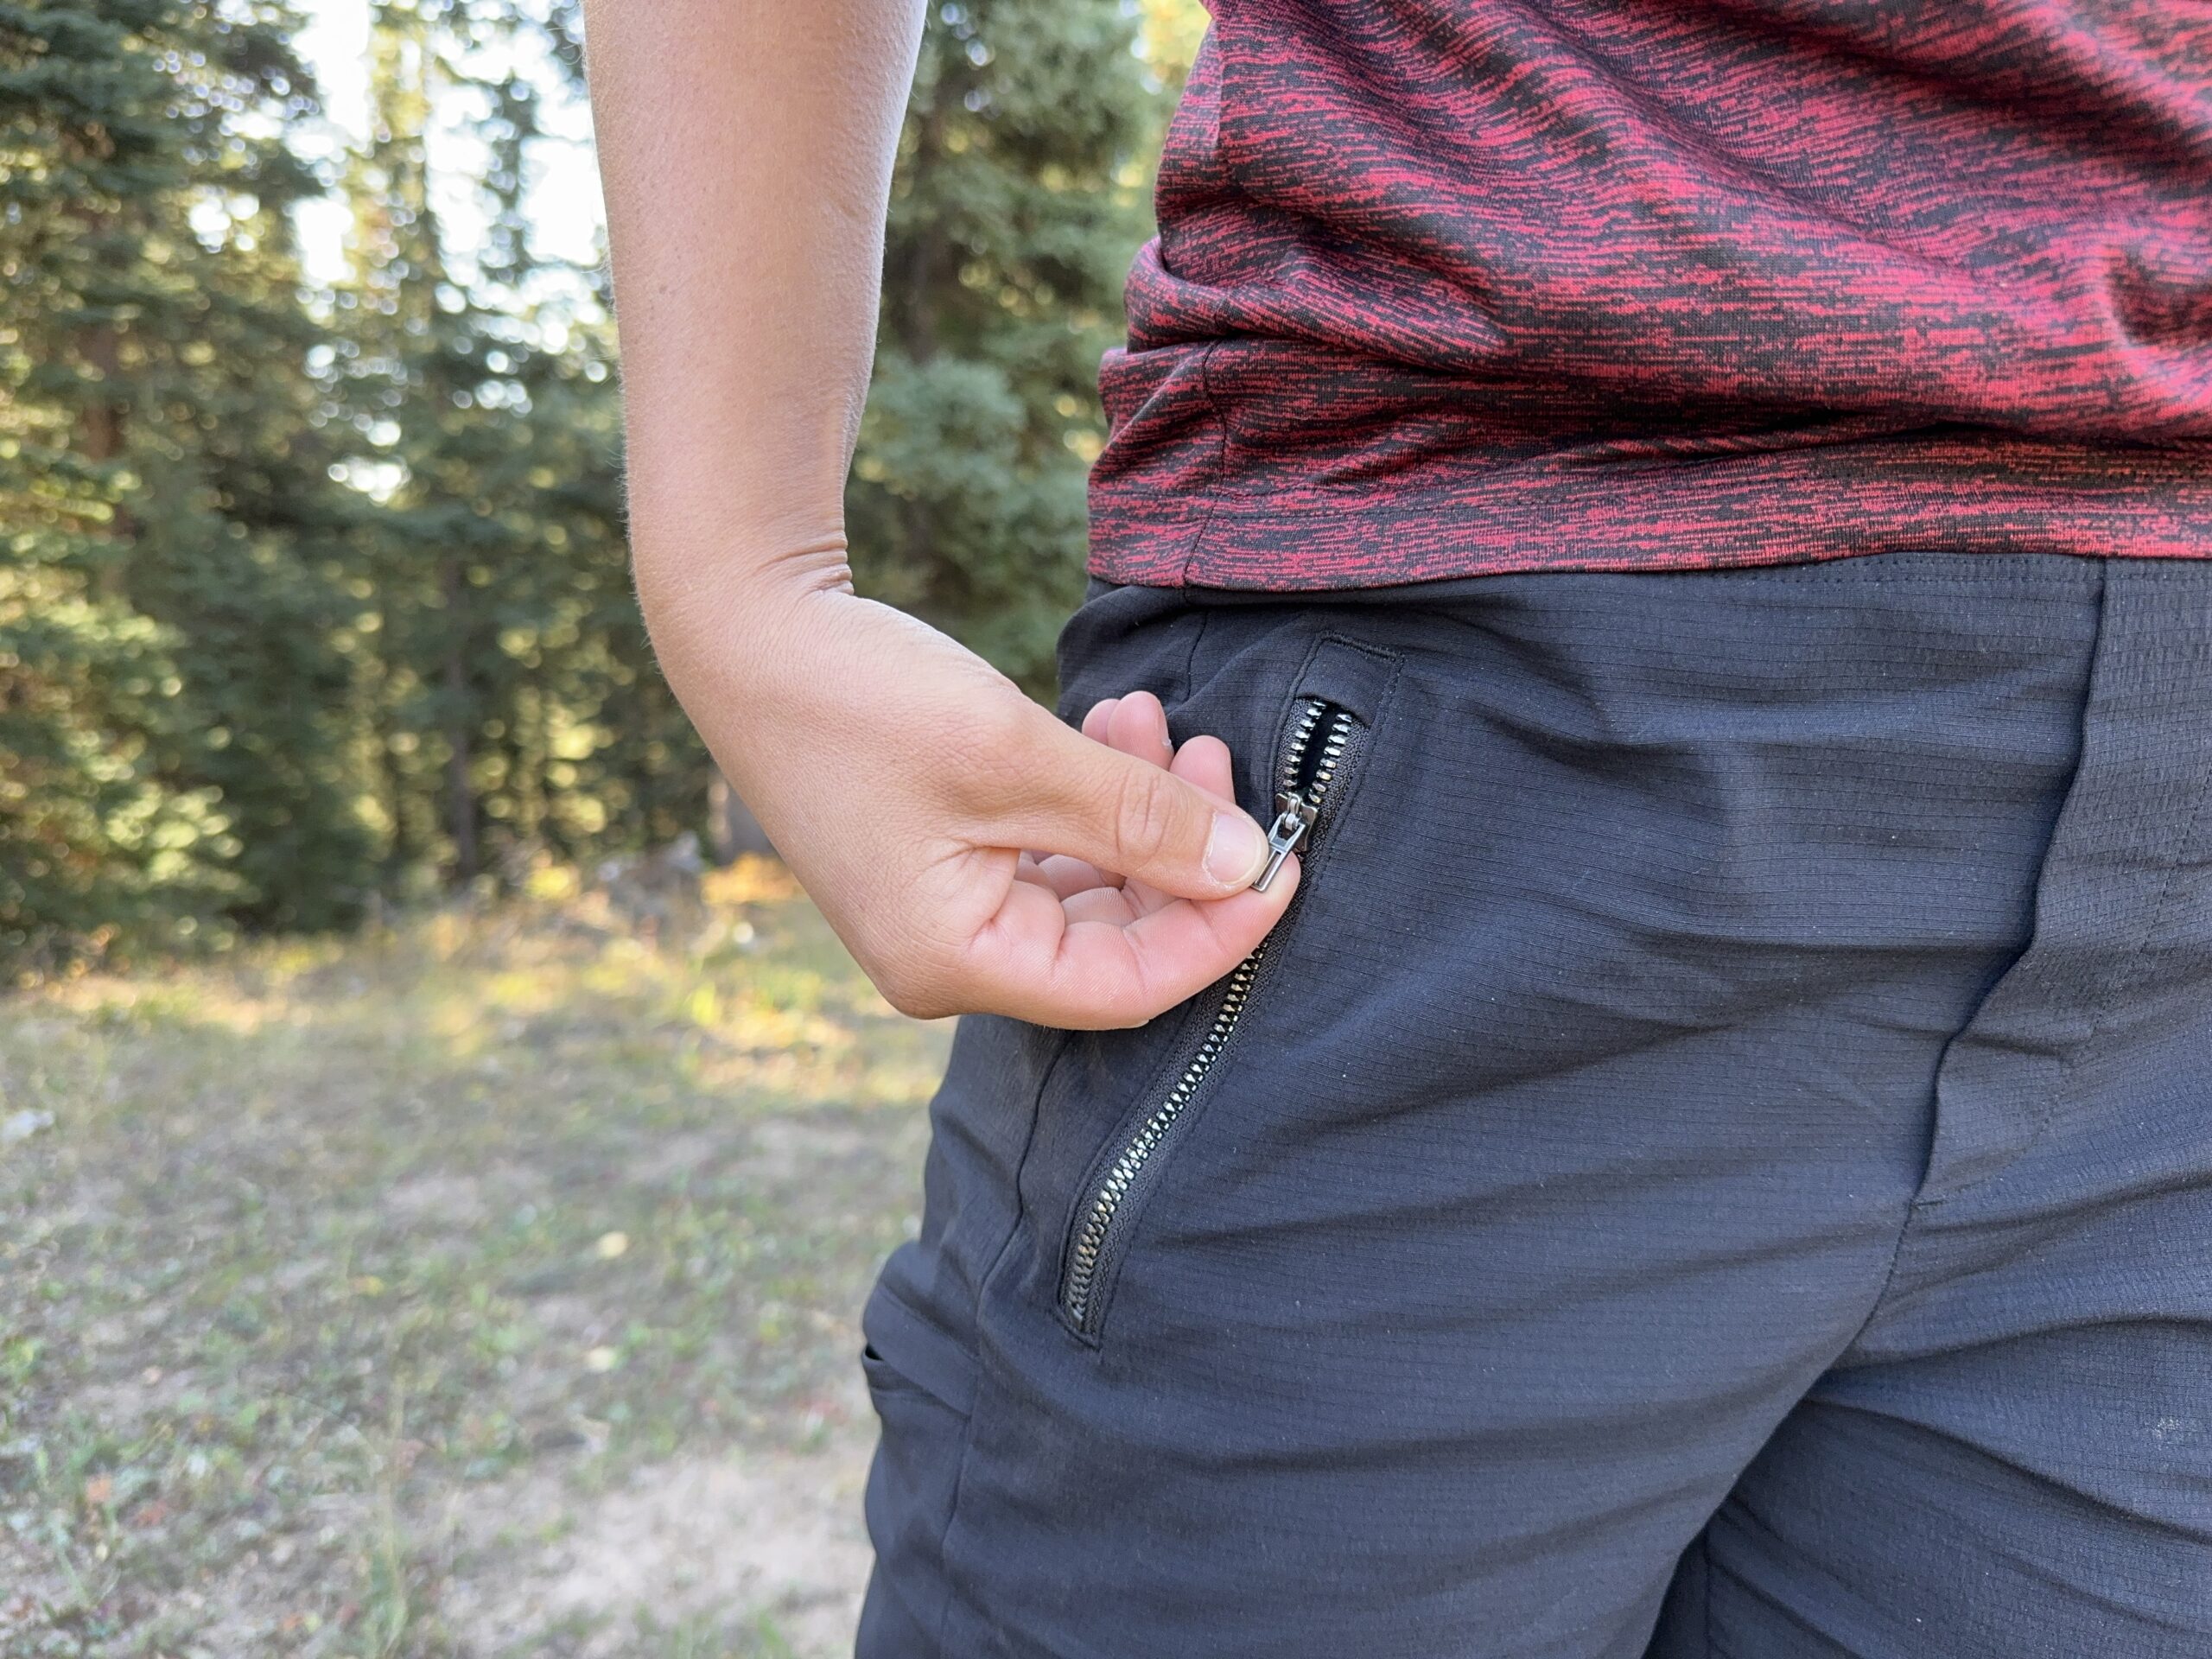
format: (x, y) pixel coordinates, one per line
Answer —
(313, 599)
(434, 1213)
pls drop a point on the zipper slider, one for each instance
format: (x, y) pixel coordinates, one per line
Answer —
(1294, 816)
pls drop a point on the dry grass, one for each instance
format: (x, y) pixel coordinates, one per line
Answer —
(486, 1286)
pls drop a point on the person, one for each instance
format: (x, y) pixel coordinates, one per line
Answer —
(1589, 1033)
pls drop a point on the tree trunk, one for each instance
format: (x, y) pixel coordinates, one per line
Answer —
(461, 790)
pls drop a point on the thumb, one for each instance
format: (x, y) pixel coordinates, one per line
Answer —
(1136, 819)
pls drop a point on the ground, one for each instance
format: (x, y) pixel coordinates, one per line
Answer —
(486, 1285)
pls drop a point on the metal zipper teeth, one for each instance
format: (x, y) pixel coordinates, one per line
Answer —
(1332, 753)
(1293, 753)
(1088, 1249)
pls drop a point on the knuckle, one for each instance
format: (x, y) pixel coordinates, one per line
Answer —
(1145, 817)
(913, 994)
(914, 985)
(916, 1006)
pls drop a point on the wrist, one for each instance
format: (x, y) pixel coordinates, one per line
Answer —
(725, 581)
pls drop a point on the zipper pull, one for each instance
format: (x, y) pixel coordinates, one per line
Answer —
(1294, 816)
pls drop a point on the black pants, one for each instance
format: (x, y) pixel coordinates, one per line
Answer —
(1717, 1161)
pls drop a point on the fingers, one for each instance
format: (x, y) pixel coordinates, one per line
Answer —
(1137, 728)
(1071, 945)
(1058, 965)
(1204, 762)
(1111, 958)
(1064, 876)
(1137, 725)
(1130, 810)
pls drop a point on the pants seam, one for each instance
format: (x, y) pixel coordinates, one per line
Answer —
(1191, 657)
(2124, 977)
(1917, 1204)
(1061, 1049)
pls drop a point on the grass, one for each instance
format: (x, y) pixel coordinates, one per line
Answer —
(484, 1285)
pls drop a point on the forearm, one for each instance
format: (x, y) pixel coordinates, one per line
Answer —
(746, 148)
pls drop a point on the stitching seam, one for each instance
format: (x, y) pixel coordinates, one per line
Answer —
(976, 1321)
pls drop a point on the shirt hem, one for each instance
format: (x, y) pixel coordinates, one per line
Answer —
(2145, 504)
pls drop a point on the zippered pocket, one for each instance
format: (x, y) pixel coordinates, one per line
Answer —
(1325, 743)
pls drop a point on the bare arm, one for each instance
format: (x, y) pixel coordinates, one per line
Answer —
(968, 848)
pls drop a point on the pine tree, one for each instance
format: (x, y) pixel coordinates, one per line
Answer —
(304, 597)
(521, 713)
(1019, 198)
(173, 576)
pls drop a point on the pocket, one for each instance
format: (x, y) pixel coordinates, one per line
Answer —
(1335, 712)
(922, 1384)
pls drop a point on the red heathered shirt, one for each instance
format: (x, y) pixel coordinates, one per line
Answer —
(1447, 287)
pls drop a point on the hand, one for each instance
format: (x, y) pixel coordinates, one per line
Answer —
(972, 852)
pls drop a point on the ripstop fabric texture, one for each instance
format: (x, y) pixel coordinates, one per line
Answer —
(1719, 1161)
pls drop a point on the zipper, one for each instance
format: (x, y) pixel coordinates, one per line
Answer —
(1298, 801)
(1320, 737)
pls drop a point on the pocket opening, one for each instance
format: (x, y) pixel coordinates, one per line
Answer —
(1315, 770)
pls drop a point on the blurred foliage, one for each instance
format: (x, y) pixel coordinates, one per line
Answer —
(175, 548)
(1021, 194)
(309, 598)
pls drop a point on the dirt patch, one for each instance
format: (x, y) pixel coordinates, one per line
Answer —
(127, 1404)
(785, 1150)
(668, 1159)
(438, 1200)
(769, 1536)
